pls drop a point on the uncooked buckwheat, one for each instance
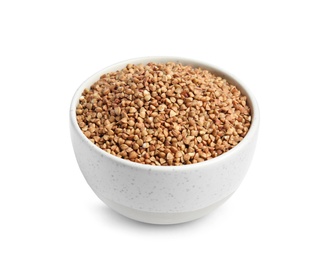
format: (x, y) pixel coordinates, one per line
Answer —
(163, 114)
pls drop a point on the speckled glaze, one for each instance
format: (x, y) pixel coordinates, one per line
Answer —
(163, 194)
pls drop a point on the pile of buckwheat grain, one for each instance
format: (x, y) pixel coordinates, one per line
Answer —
(163, 114)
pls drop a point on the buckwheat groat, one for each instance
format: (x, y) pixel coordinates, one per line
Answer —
(163, 114)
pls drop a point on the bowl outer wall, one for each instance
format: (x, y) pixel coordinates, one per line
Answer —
(163, 189)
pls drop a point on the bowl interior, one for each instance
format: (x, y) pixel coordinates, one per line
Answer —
(217, 71)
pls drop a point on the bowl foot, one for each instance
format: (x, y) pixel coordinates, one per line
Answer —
(161, 218)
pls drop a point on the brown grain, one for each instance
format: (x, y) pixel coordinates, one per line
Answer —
(163, 114)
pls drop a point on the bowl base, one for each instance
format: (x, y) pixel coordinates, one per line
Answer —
(161, 218)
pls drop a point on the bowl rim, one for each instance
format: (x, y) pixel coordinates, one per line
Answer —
(255, 120)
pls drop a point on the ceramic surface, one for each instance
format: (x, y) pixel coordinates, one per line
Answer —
(163, 194)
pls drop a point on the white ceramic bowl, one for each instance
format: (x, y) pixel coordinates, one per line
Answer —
(163, 194)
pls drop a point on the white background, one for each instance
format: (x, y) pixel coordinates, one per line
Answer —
(279, 49)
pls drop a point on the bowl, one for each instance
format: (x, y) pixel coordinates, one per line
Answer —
(163, 194)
